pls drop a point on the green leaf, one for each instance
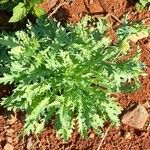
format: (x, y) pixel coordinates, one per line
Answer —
(3, 1)
(8, 41)
(142, 4)
(19, 12)
(124, 47)
(97, 123)
(38, 11)
(33, 117)
(7, 79)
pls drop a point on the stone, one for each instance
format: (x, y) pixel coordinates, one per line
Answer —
(148, 45)
(29, 143)
(138, 36)
(146, 105)
(91, 136)
(136, 118)
(91, 2)
(8, 147)
(128, 136)
(10, 131)
(9, 140)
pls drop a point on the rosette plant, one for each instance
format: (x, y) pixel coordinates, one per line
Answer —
(67, 74)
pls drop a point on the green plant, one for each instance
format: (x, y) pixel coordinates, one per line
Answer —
(6, 5)
(68, 74)
(4, 59)
(142, 4)
(21, 8)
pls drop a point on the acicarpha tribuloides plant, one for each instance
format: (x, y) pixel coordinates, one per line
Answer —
(67, 74)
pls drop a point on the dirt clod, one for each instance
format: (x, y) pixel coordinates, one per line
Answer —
(136, 118)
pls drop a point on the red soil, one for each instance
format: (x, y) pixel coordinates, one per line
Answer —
(121, 138)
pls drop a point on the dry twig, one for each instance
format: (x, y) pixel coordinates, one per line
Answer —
(144, 45)
(100, 145)
(113, 16)
(56, 9)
